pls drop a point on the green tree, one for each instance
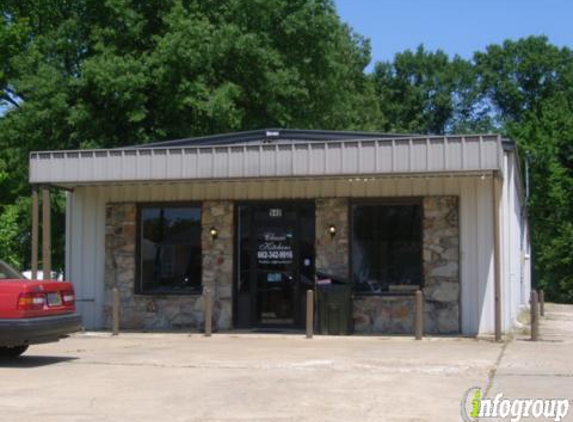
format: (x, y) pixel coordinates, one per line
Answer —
(523, 89)
(546, 136)
(517, 77)
(91, 73)
(427, 92)
(528, 86)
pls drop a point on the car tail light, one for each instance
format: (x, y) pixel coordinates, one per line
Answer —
(31, 301)
(68, 297)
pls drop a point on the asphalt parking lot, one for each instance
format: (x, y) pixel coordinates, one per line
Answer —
(279, 377)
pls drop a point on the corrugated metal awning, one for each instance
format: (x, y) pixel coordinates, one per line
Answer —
(363, 157)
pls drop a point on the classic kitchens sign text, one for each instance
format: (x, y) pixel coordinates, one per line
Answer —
(275, 250)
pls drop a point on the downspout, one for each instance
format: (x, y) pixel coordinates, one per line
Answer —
(524, 208)
(526, 201)
(496, 192)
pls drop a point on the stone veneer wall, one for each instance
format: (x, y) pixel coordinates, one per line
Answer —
(332, 251)
(218, 259)
(395, 314)
(168, 311)
(441, 265)
(384, 314)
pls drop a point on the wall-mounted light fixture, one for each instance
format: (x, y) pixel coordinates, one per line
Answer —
(332, 230)
(213, 232)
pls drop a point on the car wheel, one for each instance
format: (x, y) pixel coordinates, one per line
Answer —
(12, 352)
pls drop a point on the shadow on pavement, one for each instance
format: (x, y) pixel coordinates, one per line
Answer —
(33, 361)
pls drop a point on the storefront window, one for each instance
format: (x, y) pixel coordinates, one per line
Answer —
(169, 245)
(386, 248)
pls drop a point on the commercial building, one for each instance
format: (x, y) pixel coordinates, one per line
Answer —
(253, 216)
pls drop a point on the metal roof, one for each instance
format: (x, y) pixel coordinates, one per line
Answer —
(273, 135)
(370, 155)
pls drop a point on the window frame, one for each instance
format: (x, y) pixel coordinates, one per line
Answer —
(385, 201)
(137, 288)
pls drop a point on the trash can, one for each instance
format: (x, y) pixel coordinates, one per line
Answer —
(333, 305)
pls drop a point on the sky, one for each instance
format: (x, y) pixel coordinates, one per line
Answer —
(454, 26)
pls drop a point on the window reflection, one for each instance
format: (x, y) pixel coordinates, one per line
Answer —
(386, 247)
(170, 249)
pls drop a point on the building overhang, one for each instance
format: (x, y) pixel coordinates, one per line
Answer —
(279, 159)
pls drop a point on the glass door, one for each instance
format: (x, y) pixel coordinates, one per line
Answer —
(275, 266)
(275, 263)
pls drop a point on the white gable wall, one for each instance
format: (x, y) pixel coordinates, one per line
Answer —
(515, 240)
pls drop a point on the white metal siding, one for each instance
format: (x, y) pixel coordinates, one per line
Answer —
(365, 157)
(516, 269)
(86, 242)
(484, 247)
(85, 252)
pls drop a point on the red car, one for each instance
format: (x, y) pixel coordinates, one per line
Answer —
(33, 311)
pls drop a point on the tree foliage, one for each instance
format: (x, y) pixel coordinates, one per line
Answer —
(517, 77)
(523, 89)
(90, 73)
(426, 92)
(546, 136)
(123, 72)
(528, 86)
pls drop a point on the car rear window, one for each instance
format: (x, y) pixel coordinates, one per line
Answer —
(7, 272)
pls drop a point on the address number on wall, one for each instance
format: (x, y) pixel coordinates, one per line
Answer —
(275, 212)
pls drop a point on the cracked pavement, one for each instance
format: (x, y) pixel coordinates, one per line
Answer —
(279, 377)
